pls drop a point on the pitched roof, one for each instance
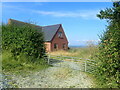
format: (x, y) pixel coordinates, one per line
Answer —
(49, 31)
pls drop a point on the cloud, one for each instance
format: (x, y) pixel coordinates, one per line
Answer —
(85, 14)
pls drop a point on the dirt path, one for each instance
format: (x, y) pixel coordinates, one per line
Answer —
(62, 75)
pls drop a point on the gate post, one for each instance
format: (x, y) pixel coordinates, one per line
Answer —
(85, 65)
(48, 59)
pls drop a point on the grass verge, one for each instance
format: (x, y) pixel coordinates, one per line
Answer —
(23, 64)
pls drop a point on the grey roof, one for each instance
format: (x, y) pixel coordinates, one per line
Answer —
(49, 31)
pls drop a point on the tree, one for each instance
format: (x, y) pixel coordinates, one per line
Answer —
(23, 40)
(109, 47)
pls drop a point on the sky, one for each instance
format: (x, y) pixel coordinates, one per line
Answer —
(58, 0)
(77, 18)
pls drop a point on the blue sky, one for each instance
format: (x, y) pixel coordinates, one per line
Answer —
(77, 18)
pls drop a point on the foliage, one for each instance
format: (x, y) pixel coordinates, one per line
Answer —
(22, 67)
(108, 66)
(85, 52)
(23, 39)
(13, 66)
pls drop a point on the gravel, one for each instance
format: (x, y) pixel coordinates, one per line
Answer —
(65, 74)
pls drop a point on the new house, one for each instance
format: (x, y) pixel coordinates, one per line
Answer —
(54, 35)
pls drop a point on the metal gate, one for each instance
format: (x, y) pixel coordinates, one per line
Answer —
(86, 65)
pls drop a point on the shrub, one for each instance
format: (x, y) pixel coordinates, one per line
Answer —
(23, 39)
(108, 66)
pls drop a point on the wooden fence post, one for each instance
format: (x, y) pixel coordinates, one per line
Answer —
(48, 59)
(61, 59)
(85, 65)
(73, 59)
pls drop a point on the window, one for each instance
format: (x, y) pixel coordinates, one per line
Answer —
(55, 46)
(64, 46)
(60, 34)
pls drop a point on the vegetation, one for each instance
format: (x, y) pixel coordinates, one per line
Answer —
(12, 66)
(86, 52)
(107, 55)
(108, 66)
(23, 48)
(23, 39)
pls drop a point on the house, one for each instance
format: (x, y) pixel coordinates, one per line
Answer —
(54, 35)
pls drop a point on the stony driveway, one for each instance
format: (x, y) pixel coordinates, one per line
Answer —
(64, 74)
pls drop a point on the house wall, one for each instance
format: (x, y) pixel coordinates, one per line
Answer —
(48, 46)
(59, 41)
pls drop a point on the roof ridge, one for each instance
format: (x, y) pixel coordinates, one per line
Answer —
(51, 25)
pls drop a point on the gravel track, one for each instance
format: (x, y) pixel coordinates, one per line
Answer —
(64, 74)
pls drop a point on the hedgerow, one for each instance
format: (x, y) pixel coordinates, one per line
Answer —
(108, 64)
(23, 39)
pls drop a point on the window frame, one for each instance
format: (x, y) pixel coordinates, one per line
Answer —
(64, 45)
(60, 34)
(55, 46)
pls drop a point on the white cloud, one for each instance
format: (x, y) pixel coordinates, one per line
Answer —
(86, 14)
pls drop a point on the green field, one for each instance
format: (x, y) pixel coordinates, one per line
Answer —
(86, 52)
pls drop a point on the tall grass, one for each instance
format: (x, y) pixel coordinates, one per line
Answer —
(86, 52)
(21, 65)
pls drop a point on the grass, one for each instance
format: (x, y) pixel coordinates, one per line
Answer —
(63, 73)
(24, 67)
(21, 65)
(86, 53)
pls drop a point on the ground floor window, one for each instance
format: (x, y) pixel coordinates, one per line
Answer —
(64, 46)
(55, 46)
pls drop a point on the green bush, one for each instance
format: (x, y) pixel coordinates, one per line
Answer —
(108, 66)
(23, 39)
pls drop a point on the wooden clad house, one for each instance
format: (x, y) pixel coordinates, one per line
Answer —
(54, 35)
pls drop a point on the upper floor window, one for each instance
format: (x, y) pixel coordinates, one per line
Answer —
(60, 35)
